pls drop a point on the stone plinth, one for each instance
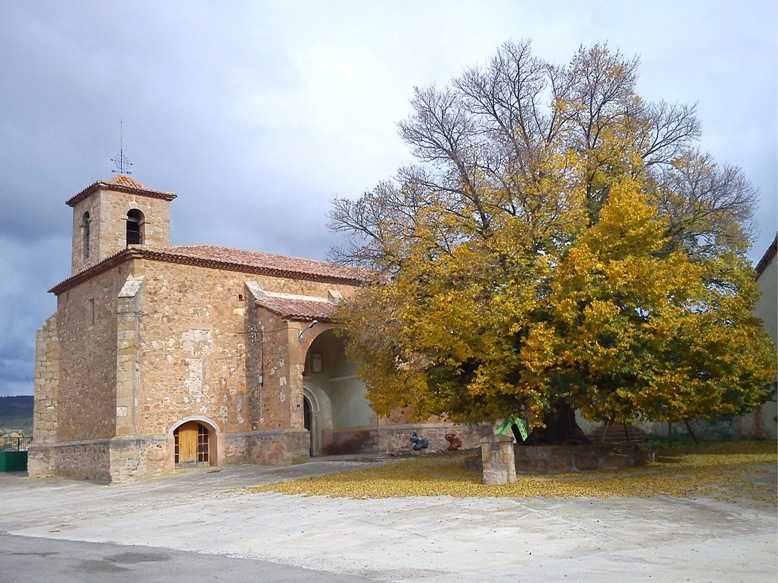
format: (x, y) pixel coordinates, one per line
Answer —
(498, 459)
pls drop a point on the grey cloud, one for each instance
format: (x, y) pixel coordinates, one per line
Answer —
(258, 114)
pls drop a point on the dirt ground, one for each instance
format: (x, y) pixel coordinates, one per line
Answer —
(418, 538)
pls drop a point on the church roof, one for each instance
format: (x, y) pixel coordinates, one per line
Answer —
(120, 183)
(228, 259)
(266, 263)
(299, 309)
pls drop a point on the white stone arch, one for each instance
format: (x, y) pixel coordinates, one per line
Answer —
(200, 418)
(321, 415)
(345, 419)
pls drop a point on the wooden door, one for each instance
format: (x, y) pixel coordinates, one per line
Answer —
(187, 443)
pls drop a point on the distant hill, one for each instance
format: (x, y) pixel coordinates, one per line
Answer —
(16, 415)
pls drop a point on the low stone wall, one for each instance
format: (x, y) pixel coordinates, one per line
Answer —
(569, 459)
(396, 438)
(274, 447)
(134, 457)
(563, 459)
(83, 460)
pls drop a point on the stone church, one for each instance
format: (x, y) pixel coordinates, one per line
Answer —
(161, 357)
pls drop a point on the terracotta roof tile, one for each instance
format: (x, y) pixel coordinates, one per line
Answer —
(228, 259)
(266, 261)
(297, 309)
(125, 180)
(120, 183)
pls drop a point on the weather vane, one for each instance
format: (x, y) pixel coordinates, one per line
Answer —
(120, 161)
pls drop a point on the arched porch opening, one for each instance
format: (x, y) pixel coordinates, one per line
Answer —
(341, 420)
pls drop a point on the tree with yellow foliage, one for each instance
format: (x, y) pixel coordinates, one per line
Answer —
(561, 245)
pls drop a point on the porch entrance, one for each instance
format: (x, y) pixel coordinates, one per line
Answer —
(335, 409)
(308, 422)
(192, 444)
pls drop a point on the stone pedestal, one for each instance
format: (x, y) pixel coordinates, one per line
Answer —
(498, 459)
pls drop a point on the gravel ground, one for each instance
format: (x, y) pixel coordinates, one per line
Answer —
(419, 538)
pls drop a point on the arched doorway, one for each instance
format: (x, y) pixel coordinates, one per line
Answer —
(193, 445)
(308, 421)
(312, 411)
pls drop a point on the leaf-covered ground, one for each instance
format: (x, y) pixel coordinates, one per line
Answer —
(743, 472)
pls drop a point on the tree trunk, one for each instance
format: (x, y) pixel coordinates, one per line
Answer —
(560, 428)
(689, 427)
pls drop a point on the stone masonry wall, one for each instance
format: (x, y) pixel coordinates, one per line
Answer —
(128, 359)
(46, 383)
(133, 457)
(396, 438)
(148, 344)
(272, 394)
(550, 459)
(108, 230)
(41, 461)
(84, 460)
(192, 347)
(86, 326)
(254, 355)
(199, 349)
(272, 447)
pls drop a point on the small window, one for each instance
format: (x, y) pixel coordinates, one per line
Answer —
(314, 364)
(85, 226)
(135, 227)
(317, 363)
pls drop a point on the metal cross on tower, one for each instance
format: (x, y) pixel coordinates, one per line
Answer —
(121, 163)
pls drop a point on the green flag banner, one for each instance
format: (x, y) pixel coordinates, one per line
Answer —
(522, 429)
(505, 427)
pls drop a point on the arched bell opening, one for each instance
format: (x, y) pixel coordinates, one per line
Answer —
(86, 234)
(135, 227)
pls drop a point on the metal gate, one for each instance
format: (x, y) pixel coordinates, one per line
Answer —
(13, 453)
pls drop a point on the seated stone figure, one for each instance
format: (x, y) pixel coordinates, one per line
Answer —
(454, 443)
(419, 443)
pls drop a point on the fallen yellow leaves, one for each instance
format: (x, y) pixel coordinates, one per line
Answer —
(732, 472)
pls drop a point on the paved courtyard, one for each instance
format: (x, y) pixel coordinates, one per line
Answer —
(430, 539)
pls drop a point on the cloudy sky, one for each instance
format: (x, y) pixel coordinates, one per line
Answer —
(259, 113)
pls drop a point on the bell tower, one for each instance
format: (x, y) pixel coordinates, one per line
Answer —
(110, 216)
